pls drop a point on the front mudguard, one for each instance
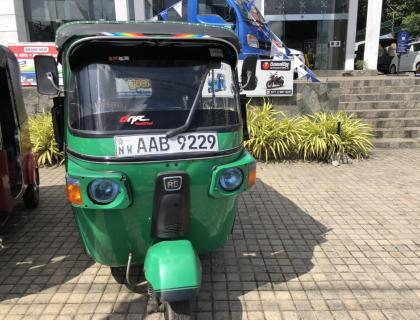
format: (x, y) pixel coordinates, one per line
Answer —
(173, 270)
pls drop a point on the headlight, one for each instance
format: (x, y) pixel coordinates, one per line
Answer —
(103, 191)
(252, 41)
(231, 179)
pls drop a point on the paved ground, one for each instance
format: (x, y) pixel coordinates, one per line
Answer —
(312, 242)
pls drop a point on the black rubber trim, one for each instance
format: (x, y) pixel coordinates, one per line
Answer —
(111, 134)
(173, 156)
(177, 295)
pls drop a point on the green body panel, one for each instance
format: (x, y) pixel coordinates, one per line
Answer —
(110, 234)
(172, 265)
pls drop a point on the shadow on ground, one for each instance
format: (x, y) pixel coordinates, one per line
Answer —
(272, 245)
(41, 247)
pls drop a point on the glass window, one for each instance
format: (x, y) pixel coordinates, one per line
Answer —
(150, 94)
(45, 16)
(219, 7)
(280, 7)
(416, 47)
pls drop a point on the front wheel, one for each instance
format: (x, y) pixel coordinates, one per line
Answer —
(118, 273)
(269, 84)
(179, 310)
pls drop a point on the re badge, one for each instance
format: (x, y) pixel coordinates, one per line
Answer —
(172, 183)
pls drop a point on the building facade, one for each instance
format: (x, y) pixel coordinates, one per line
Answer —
(37, 20)
(325, 30)
(316, 27)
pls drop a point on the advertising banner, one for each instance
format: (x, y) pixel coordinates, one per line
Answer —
(403, 41)
(25, 53)
(274, 78)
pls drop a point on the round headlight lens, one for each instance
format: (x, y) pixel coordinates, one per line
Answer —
(103, 191)
(231, 179)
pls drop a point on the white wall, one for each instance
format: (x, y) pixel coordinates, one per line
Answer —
(140, 9)
(373, 29)
(12, 22)
(121, 10)
(351, 35)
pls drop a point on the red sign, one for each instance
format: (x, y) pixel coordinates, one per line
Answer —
(25, 53)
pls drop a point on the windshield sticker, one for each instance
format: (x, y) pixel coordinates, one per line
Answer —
(133, 87)
(140, 120)
(216, 53)
(118, 58)
(219, 82)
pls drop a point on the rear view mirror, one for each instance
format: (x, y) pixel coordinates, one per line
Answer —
(46, 75)
(248, 78)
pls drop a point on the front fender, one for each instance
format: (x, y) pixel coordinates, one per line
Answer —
(173, 270)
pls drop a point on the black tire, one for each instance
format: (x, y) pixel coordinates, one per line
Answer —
(417, 68)
(179, 310)
(269, 84)
(392, 69)
(118, 273)
(31, 195)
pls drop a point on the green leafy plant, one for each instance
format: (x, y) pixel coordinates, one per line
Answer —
(321, 136)
(412, 24)
(319, 139)
(272, 135)
(42, 138)
(359, 65)
(356, 135)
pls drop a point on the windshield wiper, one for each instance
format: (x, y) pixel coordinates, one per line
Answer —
(173, 132)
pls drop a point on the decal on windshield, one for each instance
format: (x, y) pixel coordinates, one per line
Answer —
(140, 120)
(133, 87)
(118, 58)
(219, 82)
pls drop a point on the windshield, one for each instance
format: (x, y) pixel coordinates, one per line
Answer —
(152, 94)
(249, 11)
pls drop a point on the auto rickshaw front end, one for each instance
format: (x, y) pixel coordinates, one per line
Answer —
(19, 175)
(154, 159)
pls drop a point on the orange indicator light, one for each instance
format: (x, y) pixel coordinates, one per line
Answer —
(74, 195)
(252, 174)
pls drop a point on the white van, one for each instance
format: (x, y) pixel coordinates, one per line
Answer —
(410, 61)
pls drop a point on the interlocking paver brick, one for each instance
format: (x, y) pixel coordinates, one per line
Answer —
(311, 242)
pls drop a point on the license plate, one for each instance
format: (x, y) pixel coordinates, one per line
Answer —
(158, 144)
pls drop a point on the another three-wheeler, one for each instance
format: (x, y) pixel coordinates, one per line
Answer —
(154, 162)
(19, 177)
(218, 84)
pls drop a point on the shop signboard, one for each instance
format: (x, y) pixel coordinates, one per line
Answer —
(274, 78)
(335, 44)
(25, 53)
(403, 41)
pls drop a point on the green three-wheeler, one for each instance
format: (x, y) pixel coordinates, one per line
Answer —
(154, 156)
